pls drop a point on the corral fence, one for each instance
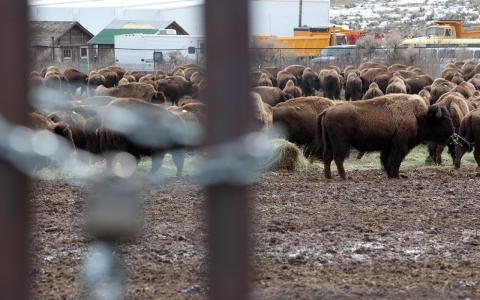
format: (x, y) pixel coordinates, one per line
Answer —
(432, 60)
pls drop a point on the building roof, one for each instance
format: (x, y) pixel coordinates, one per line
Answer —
(41, 32)
(118, 27)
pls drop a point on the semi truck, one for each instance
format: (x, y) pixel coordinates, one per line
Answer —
(142, 51)
(309, 41)
(448, 33)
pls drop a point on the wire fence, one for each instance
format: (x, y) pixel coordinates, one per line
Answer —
(432, 60)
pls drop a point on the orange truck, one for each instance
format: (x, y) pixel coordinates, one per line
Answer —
(309, 41)
(448, 32)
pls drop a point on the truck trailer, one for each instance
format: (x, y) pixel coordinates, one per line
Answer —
(141, 52)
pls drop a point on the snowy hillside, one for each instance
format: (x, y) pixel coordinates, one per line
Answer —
(407, 17)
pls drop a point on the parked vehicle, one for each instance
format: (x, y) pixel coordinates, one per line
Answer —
(309, 41)
(142, 51)
(447, 33)
(332, 53)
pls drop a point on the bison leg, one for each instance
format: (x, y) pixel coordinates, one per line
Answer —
(459, 152)
(337, 93)
(157, 161)
(451, 150)
(347, 95)
(327, 158)
(395, 159)
(384, 158)
(476, 155)
(339, 162)
(178, 157)
(438, 154)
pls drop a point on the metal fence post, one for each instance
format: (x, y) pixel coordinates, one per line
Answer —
(229, 115)
(13, 184)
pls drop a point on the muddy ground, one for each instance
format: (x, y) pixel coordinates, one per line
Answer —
(366, 238)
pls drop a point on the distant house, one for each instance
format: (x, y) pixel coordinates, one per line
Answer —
(63, 44)
(104, 42)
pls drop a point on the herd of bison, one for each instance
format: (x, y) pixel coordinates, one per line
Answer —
(386, 109)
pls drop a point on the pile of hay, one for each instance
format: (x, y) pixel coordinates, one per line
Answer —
(285, 156)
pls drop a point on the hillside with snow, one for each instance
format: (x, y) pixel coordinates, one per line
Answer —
(407, 17)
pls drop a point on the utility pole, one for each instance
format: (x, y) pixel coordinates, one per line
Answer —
(300, 14)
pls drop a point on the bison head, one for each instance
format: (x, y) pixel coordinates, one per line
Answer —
(439, 124)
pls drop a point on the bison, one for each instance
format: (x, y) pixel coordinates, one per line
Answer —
(271, 95)
(142, 129)
(293, 90)
(353, 87)
(373, 92)
(469, 138)
(298, 116)
(141, 91)
(331, 83)
(458, 109)
(392, 124)
(310, 82)
(175, 87)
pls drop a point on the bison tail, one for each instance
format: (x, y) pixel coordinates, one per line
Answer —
(315, 148)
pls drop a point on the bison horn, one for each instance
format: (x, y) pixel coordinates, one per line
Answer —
(439, 113)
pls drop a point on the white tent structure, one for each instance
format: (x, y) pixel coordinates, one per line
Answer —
(268, 17)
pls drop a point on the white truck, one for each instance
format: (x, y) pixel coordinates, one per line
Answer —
(142, 52)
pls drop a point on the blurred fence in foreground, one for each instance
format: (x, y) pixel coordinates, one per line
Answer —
(231, 147)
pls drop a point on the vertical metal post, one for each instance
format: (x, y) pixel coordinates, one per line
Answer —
(53, 49)
(300, 14)
(334, 36)
(229, 116)
(13, 184)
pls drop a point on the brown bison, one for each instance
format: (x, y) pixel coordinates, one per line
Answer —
(283, 77)
(392, 124)
(418, 82)
(309, 82)
(92, 141)
(76, 79)
(262, 112)
(271, 95)
(111, 77)
(129, 77)
(298, 116)
(353, 87)
(94, 80)
(440, 86)
(469, 138)
(175, 87)
(396, 85)
(141, 91)
(458, 109)
(264, 80)
(40, 122)
(76, 123)
(142, 129)
(293, 90)
(331, 82)
(372, 92)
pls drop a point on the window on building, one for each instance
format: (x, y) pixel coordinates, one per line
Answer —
(67, 53)
(83, 52)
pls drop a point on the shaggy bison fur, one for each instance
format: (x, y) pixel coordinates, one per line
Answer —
(469, 133)
(149, 132)
(392, 124)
